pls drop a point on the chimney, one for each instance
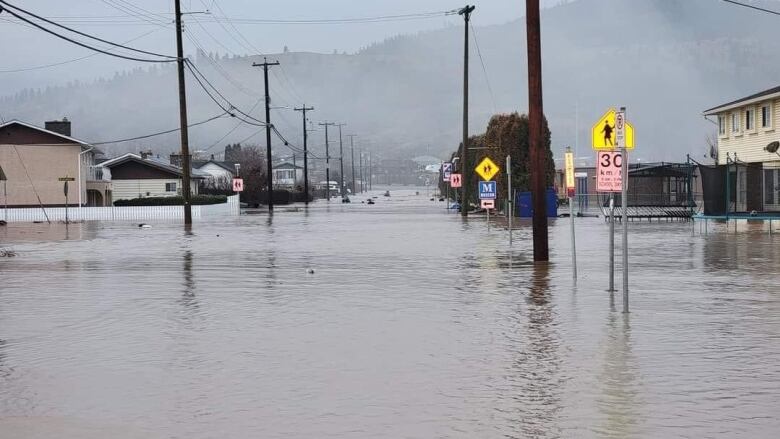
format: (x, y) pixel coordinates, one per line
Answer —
(59, 126)
(177, 159)
(146, 154)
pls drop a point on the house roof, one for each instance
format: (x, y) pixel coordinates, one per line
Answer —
(152, 162)
(228, 166)
(757, 97)
(286, 165)
(83, 144)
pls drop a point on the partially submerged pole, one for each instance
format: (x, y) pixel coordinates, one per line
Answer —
(535, 126)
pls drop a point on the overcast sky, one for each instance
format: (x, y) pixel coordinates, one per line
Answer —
(31, 50)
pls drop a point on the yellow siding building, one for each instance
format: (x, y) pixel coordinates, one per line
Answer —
(748, 129)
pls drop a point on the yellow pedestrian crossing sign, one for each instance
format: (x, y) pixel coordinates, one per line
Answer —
(487, 169)
(604, 132)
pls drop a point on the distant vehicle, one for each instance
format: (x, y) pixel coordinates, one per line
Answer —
(387, 193)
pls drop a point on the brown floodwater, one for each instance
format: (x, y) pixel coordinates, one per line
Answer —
(413, 324)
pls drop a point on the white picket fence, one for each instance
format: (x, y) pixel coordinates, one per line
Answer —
(123, 213)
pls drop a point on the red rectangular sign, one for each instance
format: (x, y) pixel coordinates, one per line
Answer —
(455, 180)
(238, 185)
(608, 169)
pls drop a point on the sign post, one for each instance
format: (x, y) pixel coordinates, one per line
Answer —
(509, 201)
(487, 197)
(65, 192)
(623, 145)
(446, 172)
(570, 191)
(612, 138)
(611, 245)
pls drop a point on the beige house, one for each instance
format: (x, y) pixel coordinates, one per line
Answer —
(35, 160)
(747, 128)
(141, 176)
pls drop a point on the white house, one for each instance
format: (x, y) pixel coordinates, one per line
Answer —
(219, 173)
(288, 176)
(748, 145)
(135, 176)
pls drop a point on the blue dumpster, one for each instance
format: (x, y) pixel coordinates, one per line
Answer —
(525, 207)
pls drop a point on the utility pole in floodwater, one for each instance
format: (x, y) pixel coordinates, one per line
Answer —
(352, 152)
(341, 161)
(268, 127)
(327, 159)
(464, 168)
(304, 109)
(185, 143)
(535, 127)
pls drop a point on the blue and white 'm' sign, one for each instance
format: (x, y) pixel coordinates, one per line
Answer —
(487, 190)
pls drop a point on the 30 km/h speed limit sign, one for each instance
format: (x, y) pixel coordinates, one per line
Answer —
(608, 168)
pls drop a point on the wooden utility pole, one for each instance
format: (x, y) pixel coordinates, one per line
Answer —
(362, 182)
(464, 161)
(268, 127)
(535, 127)
(327, 159)
(185, 143)
(352, 152)
(304, 109)
(341, 161)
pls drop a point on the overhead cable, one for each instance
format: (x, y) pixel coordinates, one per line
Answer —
(86, 46)
(81, 33)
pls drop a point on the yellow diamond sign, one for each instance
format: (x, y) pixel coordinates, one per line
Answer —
(487, 169)
(604, 133)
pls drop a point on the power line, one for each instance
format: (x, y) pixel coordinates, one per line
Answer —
(81, 33)
(241, 122)
(234, 20)
(745, 5)
(159, 133)
(144, 15)
(484, 70)
(198, 76)
(86, 46)
(45, 66)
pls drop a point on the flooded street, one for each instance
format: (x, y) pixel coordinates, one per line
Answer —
(413, 324)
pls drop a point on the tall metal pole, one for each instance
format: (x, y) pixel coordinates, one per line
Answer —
(370, 172)
(352, 152)
(624, 177)
(611, 242)
(535, 125)
(304, 109)
(327, 159)
(464, 161)
(185, 143)
(268, 127)
(509, 201)
(341, 162)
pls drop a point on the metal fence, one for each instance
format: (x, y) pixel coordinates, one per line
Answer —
(598, 204)
(122, 213)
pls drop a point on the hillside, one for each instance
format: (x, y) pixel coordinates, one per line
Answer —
(666, 60)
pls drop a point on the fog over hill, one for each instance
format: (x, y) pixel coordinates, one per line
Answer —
(666, 60)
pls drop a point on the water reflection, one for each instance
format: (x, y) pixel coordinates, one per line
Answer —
(617, 401)
(537, 362)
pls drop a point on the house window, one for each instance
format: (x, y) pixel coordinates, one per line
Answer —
(170, 187)
(750, 115)
(735, 122)
(721, 125)
(766, 116)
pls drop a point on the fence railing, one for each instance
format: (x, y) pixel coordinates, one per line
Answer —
(121, 213)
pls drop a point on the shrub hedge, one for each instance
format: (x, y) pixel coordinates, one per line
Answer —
(172, 201)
